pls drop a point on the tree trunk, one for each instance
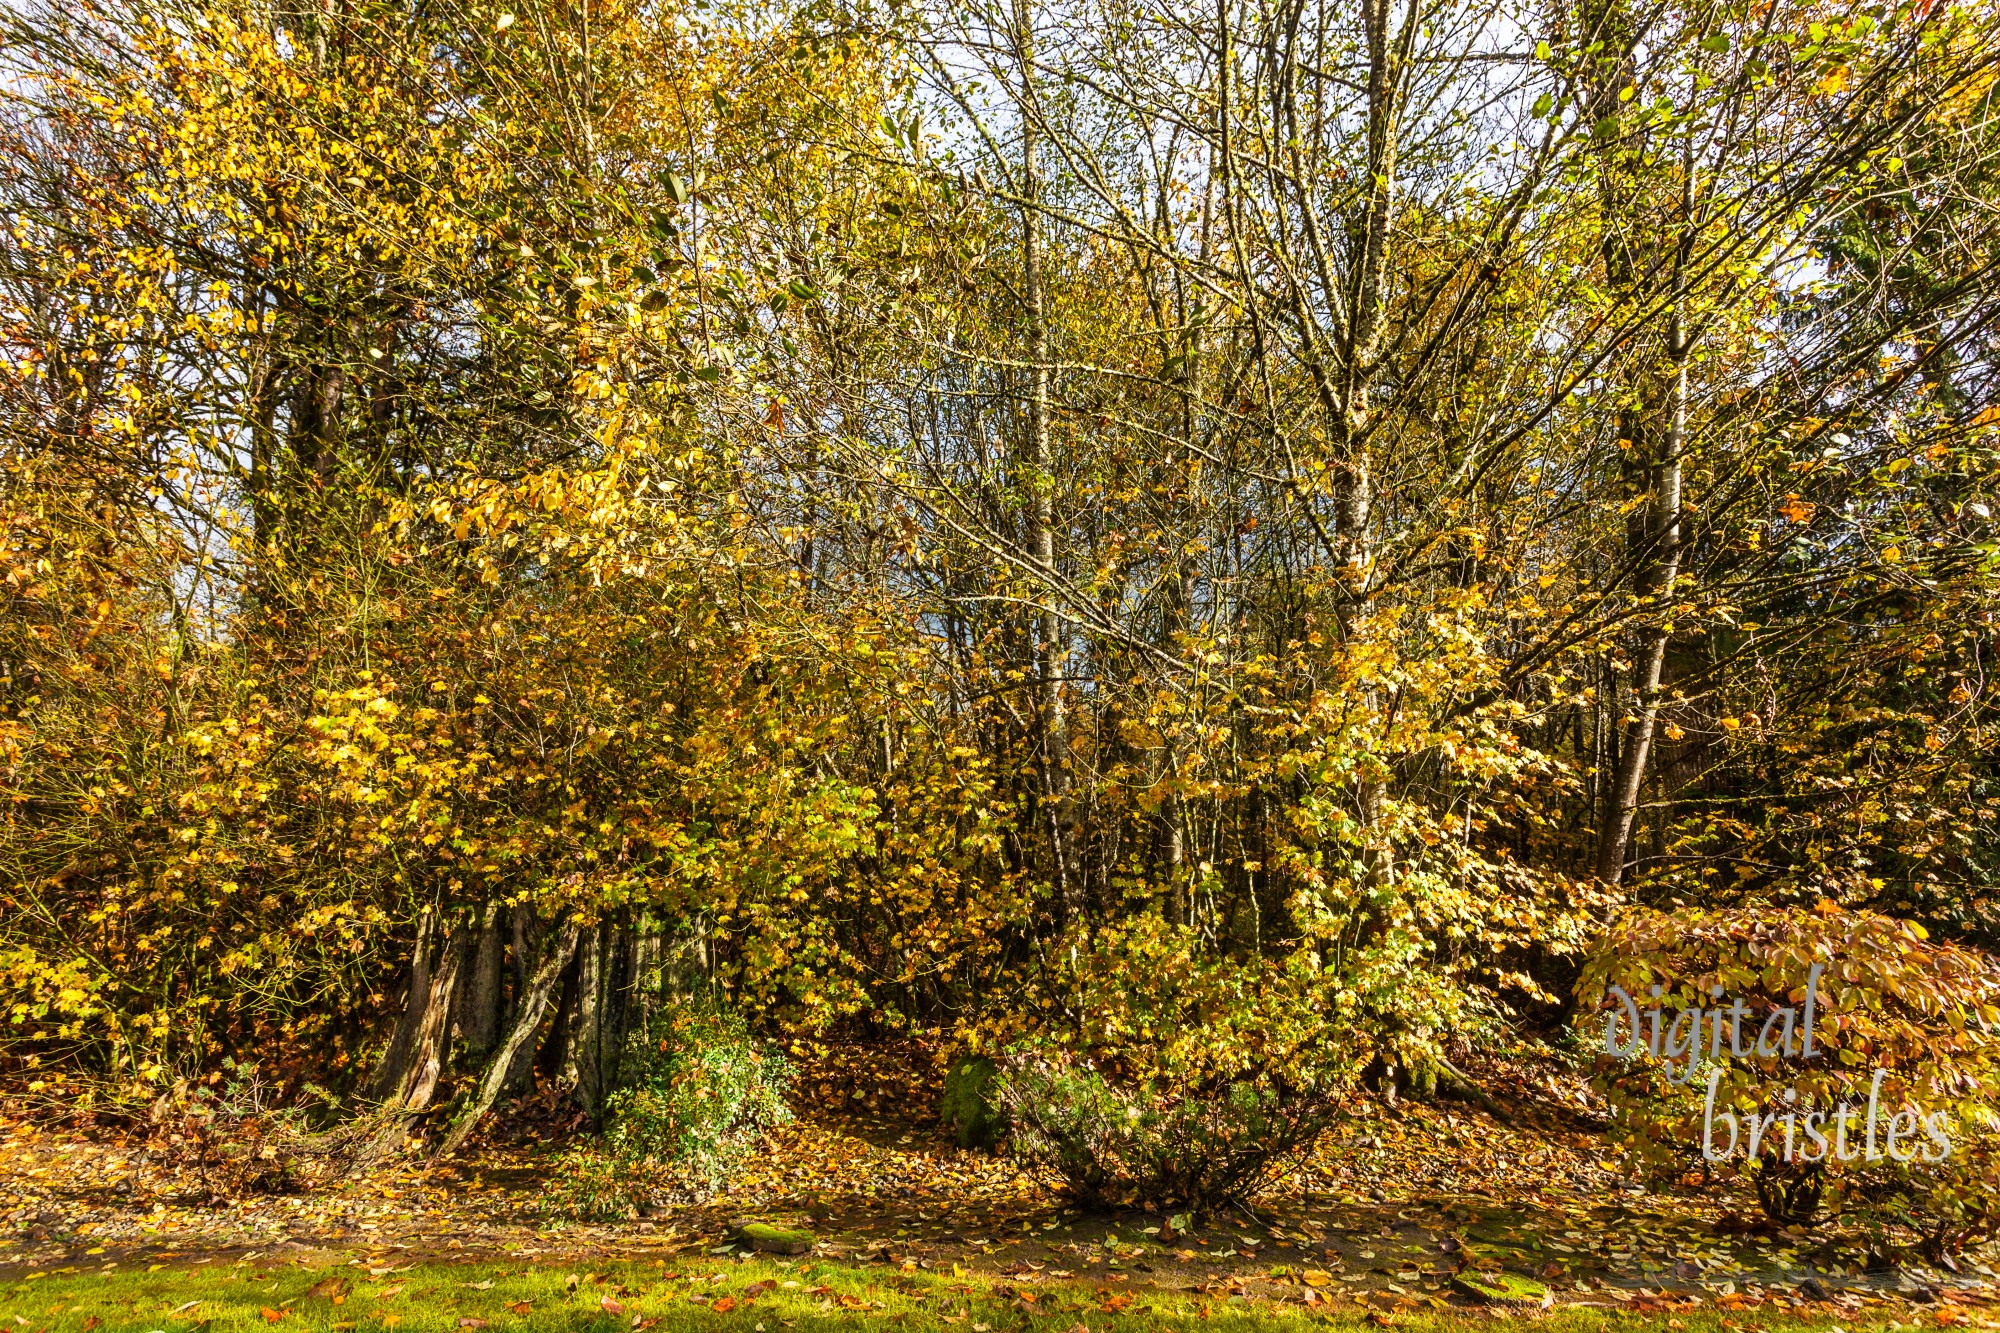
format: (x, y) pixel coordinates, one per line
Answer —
(684, 967)
(516, 1053)
(644, 997)
(1388, 59)
(616, 1008)
(396, 1058)
(553, 1057)
(1654, 540)
(583, 1069)
(1045, 627)
(1615, 837)
(480, 1025)
(430, 1043)
(527, 941)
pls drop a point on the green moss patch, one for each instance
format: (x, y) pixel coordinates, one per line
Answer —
(776, 1240)
(1508, 1290)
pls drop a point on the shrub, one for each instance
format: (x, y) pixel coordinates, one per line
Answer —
(1151, 1144)
(588, 1184)
(1179, 1081)
(1899, 1024)
(238, 1138)
(968, 1105)
(695, 1094)
(696, 1091)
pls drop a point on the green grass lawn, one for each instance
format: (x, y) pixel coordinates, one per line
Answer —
(713, 1296)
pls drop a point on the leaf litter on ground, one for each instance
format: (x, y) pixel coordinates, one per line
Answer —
(1387, 1210)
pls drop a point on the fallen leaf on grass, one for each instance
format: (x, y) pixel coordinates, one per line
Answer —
(723, 1304)
(389, 1291)
(470, 1321)
(487, 1285)
(272, 1316)
(333, 1289)
(183, 1307)
(610, 1306)
(521, 1307)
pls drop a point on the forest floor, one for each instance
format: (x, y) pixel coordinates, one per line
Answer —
(1373, 1227)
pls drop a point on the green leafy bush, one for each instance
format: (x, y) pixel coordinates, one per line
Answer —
(1180, 1081)
(967, 1105)
(588, 1184)
(696, 1092)
(1152, 1144)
